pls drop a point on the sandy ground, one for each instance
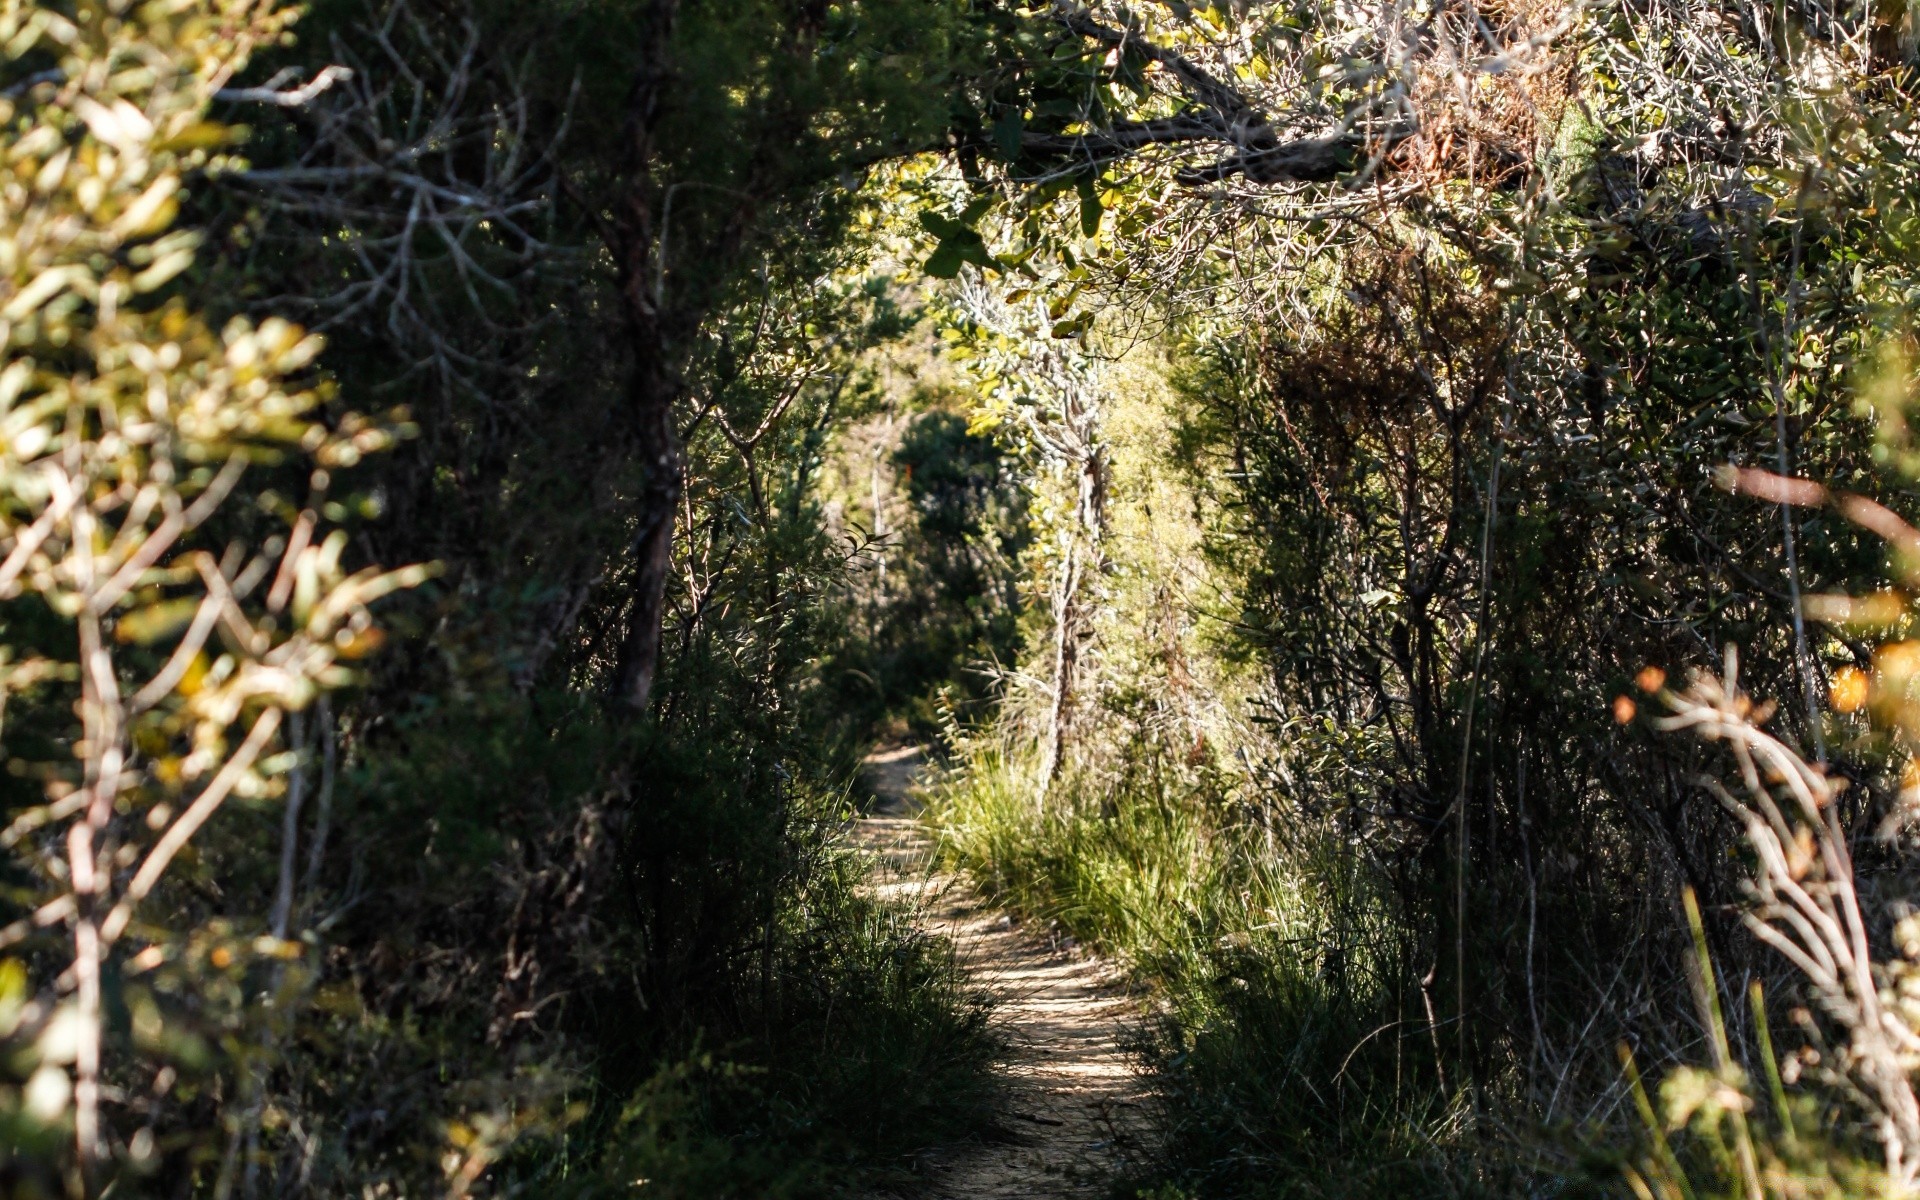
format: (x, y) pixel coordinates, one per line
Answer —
(1076, 1110)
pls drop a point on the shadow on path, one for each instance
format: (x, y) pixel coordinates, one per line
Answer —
(1077, 1112)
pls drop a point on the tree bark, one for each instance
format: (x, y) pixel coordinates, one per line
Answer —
(1086, 537)
(652, 547)
(654, 391)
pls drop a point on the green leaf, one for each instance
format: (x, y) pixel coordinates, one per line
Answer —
(971, 215)
(960, 243)
(944, 262)
(939, 224)
(148, 625)
(973, 249)
(1073, 326)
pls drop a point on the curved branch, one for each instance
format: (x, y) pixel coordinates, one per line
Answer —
(1247, 125)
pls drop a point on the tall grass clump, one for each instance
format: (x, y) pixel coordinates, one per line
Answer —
(1288, 1062)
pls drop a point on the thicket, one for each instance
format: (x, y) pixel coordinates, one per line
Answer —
(1367, 776)
(544, 895)
(936, 618)
(1306, 461)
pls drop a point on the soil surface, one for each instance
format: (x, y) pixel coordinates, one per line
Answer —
(1076, 1110)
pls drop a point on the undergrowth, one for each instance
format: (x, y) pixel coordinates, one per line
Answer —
(1287, 1062)
(873, 1050)
(1292, 1049)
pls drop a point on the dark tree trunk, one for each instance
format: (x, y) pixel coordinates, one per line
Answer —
(654, 391)
(658, 443)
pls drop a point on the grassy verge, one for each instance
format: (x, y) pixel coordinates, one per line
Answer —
(1290, 1062)
(1292, 1047)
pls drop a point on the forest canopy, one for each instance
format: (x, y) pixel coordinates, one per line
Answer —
(1393, 522)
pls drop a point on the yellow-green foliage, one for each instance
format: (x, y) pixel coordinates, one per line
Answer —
(126, 423)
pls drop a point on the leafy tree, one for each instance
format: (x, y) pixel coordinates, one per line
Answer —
(155, 673)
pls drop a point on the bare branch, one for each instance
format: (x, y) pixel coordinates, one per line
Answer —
(299, 97)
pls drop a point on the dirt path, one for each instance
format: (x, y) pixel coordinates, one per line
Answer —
(1076, 1109)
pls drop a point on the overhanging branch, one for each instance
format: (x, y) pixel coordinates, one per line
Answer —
(1219, 113)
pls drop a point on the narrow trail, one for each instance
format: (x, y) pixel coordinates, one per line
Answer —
(1076, 1111)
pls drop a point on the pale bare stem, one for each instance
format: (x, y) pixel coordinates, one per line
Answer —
(29, 540)
(54, 912)
(42, 815)
(100, 712)
(103, 756)
(1061, 417)
(1805, 901)
(188, 823)
(86, 970)
(282, 589)
(204, 619)
(178, 521)
(276, 92)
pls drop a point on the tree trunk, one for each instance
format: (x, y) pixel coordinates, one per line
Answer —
(652, 547)
(1085, 541)
(1066, 657)
(654, 391)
